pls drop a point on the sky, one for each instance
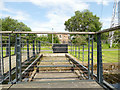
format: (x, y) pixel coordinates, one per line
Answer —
(43, 15)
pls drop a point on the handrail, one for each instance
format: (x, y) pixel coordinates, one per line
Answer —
(109, 29)
(48, 32)
(6, 32)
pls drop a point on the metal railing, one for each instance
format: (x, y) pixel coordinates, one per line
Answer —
(24, 51)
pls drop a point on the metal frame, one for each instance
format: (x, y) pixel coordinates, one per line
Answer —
(9, 51)
(90, 57)
(7, 47)
(18, 51)
(78, 52)
(75, 51)
(36, 47)
(83, 54)
(18, 58)
(1, 60)
(99, 60)
(28, 49)
(39, 45)
(33, 48)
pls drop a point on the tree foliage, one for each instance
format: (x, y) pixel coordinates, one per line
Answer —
(83, 21)
(9, 24)
(55, 38)
(79, 40)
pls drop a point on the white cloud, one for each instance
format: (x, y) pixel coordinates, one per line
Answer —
(19, 15)
(106, 22)
(58, 12)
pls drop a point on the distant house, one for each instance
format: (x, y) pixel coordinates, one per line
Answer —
(64, 38)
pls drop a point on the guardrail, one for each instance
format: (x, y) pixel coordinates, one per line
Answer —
(25, 48)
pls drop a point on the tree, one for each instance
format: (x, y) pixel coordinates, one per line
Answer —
(55, 38)
(83, 21)
(79, 40)
(9, 24)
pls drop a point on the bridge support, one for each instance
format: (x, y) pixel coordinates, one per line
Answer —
(18, 58)
(78, 52)
(28, 49)
(39, 46)
(1, 60)
(33, 48)
(75, 50)
(90, 57)
(99, 60)
(7, 47)
(9, 51)
(36, 47)
(83, 54)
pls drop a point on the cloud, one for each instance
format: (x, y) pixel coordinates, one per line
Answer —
(19, 15)
(107, 22)
(58, 11)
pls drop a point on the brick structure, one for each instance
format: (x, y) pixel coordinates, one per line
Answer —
(64, 38)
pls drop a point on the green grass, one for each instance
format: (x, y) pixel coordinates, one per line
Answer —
(107, 56)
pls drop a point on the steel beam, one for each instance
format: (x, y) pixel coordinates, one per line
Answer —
(36, 47)
(33, 48)
(55, 61)
(39, 46)
(28, 49)
(78, 52)
(18, 59)
(83, 54)
(7, 47)
(90, 57)
(55, 66)
(1, 60)
(75, 51)
(99, 60)
(9, 51)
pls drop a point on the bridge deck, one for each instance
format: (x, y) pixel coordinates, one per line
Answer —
(53, 76)
(58, 84)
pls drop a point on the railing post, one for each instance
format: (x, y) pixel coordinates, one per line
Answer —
(9, 50)
(83, 54)
(28, 49)
(39, 46)
(7, 47)
(1, 60)
(75, 51)
(99, 60)
(36, 47)
(18, 58)
(78, 52)
(90, 57)
(33, 48)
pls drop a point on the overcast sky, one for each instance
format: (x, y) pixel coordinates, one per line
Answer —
(43, 15)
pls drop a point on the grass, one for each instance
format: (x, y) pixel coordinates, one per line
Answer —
(107, 56)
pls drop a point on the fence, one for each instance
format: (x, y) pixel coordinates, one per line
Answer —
(19, 54)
